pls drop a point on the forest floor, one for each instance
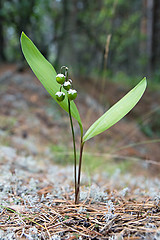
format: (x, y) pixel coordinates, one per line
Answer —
(120, 193)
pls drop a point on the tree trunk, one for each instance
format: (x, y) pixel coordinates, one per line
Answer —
(155, 58)
(2, 54)
(153, 34)
(61, 42)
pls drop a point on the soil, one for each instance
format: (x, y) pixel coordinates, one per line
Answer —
(36, 190)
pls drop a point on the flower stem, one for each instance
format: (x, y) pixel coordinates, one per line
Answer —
(74, 148)
(79, 173)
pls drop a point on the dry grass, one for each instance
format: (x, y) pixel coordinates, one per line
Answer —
(129, 218)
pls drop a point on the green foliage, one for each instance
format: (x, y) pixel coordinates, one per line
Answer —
(151, 126)
(117, 112)
(61, 150)
(46, 74)
(7, 123)
(93, 164)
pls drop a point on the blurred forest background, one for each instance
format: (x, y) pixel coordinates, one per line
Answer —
(109, 37)
(108, 45)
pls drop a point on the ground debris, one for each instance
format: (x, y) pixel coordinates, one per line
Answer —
(65, 219)
(34, 207)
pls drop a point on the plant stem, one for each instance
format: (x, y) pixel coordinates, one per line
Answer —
(74, 148)
(79, 173)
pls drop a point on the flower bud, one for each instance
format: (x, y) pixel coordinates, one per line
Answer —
(60, 78)
(72, 94)
(67, 85)
(60, 96)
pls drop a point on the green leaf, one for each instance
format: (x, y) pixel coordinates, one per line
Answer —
(46, 74)
(117, 111)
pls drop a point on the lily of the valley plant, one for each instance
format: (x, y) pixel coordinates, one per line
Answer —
(60, 88)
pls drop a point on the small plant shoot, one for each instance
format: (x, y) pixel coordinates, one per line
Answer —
(59, 86)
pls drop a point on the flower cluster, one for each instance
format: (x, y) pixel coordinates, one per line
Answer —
(66, 84)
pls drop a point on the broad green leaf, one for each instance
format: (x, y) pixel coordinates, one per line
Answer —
(117, 111)
(45, 72)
